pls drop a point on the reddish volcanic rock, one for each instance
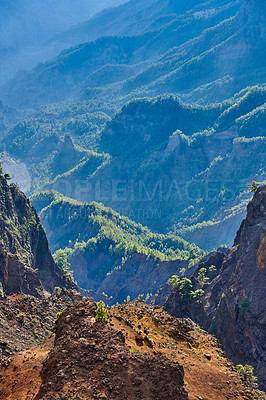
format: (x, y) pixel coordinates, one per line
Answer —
(233, 306)
(90, 360)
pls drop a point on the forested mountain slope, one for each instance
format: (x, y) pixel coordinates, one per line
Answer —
(177, 167)
(110, 253)
(206, 51)
(172, 166)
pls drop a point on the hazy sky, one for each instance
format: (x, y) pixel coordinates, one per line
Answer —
(26, 22)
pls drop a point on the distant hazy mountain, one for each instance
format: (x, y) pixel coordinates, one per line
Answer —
(208, 52)
(25, 25)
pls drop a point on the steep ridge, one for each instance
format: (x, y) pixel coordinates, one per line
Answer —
(232, 305)
(110, 253)
(26, 321)
(26, 263)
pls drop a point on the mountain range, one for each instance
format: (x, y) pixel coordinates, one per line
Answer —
(176, 347)
(203, 51)
(176, 168)
(138, 136)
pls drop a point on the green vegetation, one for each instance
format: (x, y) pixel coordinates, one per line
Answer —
(244, 305)
(198, 294)
(202, 275)
(58, 315)
(198, 328)
(19, 221)
(92, 225)
(191, 146)
(60, 258)
(101, 313)
(185, 288)
(212, 272)
(102, 242)
(6, 176)
(72, 147)
(246, 373)
(133, 350)
(173, 282)
(253, 186)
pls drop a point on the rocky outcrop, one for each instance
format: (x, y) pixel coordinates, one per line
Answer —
(26, 263)
(90, 360)
(165, 340)
(26, 320)
(233, 306)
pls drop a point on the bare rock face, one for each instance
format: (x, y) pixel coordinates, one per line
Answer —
(26, 263)
(17, 276)
(91, 361)
(27, 320)
(233, 306)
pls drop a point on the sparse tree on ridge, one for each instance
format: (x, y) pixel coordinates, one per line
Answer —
(253, 186)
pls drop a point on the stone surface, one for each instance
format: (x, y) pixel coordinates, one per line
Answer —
(91, 361)
(233, 306)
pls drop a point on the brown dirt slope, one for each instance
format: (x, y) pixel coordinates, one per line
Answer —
(209, 375)
(90, 360)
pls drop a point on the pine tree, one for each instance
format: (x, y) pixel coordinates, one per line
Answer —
(101, 313)
(253, 186)
(7, 177)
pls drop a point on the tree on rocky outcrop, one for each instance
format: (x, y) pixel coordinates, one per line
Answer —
(173, 282)
(253, 186)
(246, 373)
(202, 275)
(6, 176)
(185, 288)
(101, 313)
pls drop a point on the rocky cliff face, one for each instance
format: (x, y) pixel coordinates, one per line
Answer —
(26, 263)
(233, 305)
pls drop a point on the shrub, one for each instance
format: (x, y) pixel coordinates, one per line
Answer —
(58, 315)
